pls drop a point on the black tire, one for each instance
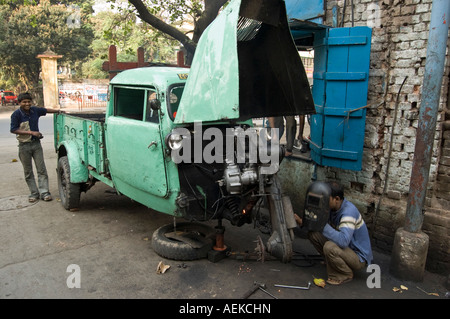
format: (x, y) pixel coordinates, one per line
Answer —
(177, 250)
(68, 192)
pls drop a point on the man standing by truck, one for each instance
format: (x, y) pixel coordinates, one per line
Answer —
(25, 123)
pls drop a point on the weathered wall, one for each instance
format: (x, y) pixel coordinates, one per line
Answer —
(399, 42)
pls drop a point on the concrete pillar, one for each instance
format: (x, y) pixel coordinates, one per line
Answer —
(49, 78)
(410, 248)
(409, 255)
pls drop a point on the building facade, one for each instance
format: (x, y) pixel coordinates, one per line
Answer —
(400, 30)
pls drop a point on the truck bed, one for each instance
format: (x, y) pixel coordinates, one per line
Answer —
(85, 133)
(97, 117)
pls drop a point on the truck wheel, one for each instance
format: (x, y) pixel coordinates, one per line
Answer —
(68, 192)
(190, 241)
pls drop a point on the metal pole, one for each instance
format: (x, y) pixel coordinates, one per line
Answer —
(434, 70)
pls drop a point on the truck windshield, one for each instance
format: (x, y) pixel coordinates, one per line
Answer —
(175, 93)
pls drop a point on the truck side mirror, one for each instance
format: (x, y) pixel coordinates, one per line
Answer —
(155, 104)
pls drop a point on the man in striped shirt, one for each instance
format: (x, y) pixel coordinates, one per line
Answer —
(344, 241)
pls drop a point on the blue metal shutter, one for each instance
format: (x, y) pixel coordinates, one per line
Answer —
(341, 75)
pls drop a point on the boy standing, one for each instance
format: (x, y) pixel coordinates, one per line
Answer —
(25, 123)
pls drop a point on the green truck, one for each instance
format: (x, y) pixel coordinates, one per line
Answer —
(181, 140)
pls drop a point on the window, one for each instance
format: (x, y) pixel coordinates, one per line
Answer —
(129, 103)
(132, 102)
(151, 115)
(175, 93)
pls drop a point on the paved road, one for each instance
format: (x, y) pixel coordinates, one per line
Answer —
(109, 242)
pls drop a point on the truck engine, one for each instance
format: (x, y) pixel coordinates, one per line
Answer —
(230, 176)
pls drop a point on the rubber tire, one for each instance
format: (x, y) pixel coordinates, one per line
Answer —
(176, 250)
(68, 192)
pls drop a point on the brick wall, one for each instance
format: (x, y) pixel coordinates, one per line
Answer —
(399, 49)
(441, 197)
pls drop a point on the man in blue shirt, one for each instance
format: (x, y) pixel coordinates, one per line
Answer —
(344, 240)
(25, 123)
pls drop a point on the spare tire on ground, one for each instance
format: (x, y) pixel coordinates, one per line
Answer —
(189, 241)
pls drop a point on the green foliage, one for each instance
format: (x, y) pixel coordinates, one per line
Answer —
(30, 27)
(128, 35)
(122, 30)
(29, 30)
(17, 3)
(177, 10)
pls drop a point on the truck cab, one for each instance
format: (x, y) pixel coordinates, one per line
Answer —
(135, 132)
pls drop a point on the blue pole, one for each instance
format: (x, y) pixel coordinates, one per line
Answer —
(434, 71)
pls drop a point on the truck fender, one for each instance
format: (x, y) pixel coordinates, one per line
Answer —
(78, 171)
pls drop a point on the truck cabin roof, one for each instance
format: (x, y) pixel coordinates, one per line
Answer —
(158, 76)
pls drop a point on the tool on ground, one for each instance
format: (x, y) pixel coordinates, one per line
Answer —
(294, 287)
(264, 290)
(256, 286)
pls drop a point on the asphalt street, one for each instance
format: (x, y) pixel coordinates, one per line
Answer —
(103, 251)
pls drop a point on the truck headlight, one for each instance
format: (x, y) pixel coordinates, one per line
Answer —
(174, 141)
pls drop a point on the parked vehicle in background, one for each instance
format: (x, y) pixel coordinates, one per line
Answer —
(9, 97)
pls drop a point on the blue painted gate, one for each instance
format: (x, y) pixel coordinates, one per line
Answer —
(341, 74)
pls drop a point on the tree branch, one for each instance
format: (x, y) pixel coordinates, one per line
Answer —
(155, 22)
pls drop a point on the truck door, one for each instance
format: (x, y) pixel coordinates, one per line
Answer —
(134, 144)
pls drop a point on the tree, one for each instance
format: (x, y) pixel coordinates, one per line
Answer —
(127, 34)
(13, 4)
(31, 28)
(201, 12)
